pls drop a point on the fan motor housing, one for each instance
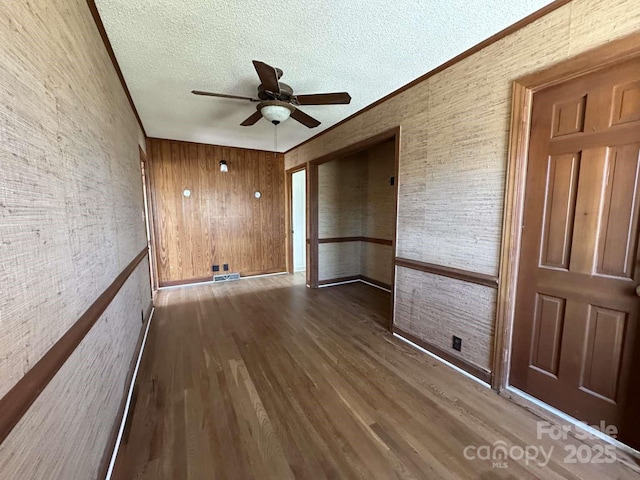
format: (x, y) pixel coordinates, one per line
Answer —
(286, 92)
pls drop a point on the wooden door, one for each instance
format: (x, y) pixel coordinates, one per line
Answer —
(575, 335)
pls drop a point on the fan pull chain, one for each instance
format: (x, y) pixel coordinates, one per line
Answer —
(275, 141)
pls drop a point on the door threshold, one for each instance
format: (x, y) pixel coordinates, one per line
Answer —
(559, 418)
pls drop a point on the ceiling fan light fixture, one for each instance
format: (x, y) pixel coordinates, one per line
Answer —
(275, 111)
(276, 101)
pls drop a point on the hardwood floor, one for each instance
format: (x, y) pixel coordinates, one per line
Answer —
(267, 379)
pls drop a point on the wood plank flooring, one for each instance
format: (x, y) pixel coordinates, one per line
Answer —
(267, 379)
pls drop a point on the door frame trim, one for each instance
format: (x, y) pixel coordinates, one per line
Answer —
(149, 221)
(288, 216)
(605, 56)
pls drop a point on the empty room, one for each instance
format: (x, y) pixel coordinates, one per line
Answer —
(319, 240)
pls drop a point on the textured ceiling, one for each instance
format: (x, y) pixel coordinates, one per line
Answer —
(366, 47)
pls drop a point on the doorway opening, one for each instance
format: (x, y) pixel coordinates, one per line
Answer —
(353, 197)
(299, 220)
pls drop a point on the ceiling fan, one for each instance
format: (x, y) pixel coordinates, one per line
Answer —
(276, 101)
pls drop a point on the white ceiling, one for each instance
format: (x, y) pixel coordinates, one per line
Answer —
(366, 47)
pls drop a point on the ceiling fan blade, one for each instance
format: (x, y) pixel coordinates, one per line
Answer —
(224, 95)
(268, 76)
(304, 119)
(252, 119)
(339, 98)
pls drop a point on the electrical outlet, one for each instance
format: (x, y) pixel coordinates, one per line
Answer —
(225, 267)
(215, 268)
(392, 181)
(457, 343)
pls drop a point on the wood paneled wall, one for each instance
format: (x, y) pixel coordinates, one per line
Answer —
(71, 219)
(454, 140)
(222, 221)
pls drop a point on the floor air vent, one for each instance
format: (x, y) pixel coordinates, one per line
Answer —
(227, 277)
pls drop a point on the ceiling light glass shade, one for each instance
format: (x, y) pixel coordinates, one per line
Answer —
(275, 113)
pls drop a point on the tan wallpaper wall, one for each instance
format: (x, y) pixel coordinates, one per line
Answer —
(341, 190)
(378, 209)
(376, 262)
(454, 136)
(455, 307)
(70, 221)
(378, 213)
(340, 195)
(339, 260)
(64, 433)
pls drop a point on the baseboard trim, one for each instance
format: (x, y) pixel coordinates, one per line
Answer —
(204, 281)
(332, 282)
(477, 372)
(442, 360)
(181, 283)
(375, 283)
(559, 418)
(338, 281)
(113, 447)
(106, 457)
(261, 275)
